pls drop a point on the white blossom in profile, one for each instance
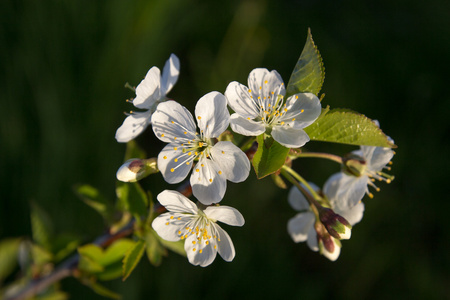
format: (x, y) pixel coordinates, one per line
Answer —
(203, 237)
(212, 163)
(261, 107)
(149, 93)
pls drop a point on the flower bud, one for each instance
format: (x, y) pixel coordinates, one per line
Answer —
(329, 247)
(336, 225)
(135, 169)
(354, 165)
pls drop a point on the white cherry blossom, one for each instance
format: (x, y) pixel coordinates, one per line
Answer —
(203, 236)
(212, 163)
(302, 227)
(261, 107)
(149, 93)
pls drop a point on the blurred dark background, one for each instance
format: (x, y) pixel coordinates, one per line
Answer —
(63, 68)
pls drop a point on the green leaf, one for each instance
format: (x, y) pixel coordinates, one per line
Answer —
(64, 245)
(155, 251)
(53, 295)
(40, 255)
(89, 259)
(132, 258)
(177, 247)
(41, 226)
(279, 182)
(92, 197)
(9, 249)
(269, 157)
(347, 127)
(102, 291)
(132, 198)
(134, 151)
(309, 73)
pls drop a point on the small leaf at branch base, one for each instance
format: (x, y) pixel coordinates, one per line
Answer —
(309, 72)
(155, 251)
(269, 157)
(41, 226)
(347, 127)
(132, 258)
(132, 198)
(92, 197)
(9, 249)
(101, 290)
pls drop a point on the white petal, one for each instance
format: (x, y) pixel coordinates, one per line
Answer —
(263, 83)
(212, 114)
(377, 157)
(174, 164)
(168, 228)
(198, 252)
(132, 126)
(125, 174)
(170, 74)
(350, 191)
(148, 91)
(239, 100)
(175, 202)
(352, 215)
(290, 137)
(225, 214)
(207, 185)
(246, 127)
(312, 240)
(297, 200)
(305, 109)
(224, 244)
(170, 121)
(231, 161)
(300, 225)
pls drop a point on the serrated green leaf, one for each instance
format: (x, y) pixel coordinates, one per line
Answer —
(132, 198)
(92, 197)
(134, 151)
(269, 157)
(347, 127)
(309, 73)
(9, 249)
(132, 258)
(41, 226)
(155, 251)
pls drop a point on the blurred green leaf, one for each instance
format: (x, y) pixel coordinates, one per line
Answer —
(177, 247)
(309, 73)
(132, 198)
(155, 251)
(134, 151)
(101, 290)
(347, 127)
(8, 256)
(41, 226)
(132, 258)
(53, 295)
(92, 197)
(269, 157)
(40, 255)
(89, 259)
(63, 245)
(279, 182)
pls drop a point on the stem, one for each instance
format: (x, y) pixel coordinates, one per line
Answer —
(332, 157)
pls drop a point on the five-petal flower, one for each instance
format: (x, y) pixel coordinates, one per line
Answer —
(261, 107)
(149, 93)
(214, 162)
(203, 236)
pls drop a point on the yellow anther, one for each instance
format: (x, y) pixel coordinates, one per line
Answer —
(220, 172)
(189, 153)
(282, 123)
(175, 148)
(378, 189)
(260, 87)
(179, 232)
(172, 122)
(175, 139)
(179, 218)
(171, 170)
(175, 160)
(215, 246)
(201, 153)
(165, 157)
(264, 98)
(200, 251)
(370, 195)
(390, 163)
(207, 242)
(194, 249)
(265, 82)
(248, 118)
(218, 239)
(296, 97)
(293, 119)
(285, 109)
(185, 132)
(272, 93)
(197, 170)
(249, 91)
(182, 237)
(388, 181)
(202, 165)
(259, 97)
(196, 153)
(223, 152)
(200, 144)
(302, 110)
(210, 180)
(188, 162)
(194, 242)
(171, 217)
(162, 135)
(167, 223)
(199, 117)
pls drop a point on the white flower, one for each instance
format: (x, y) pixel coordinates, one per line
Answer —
(302, 227)
(203, 236)
(261, 107)
(135, 169)
(149, 93)
(214, 163)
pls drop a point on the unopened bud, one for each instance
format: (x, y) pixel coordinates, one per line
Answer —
(354, 165)
(329, 247)
(135, 169)
(336, 225)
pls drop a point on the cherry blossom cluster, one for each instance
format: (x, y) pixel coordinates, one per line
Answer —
(194, 147)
